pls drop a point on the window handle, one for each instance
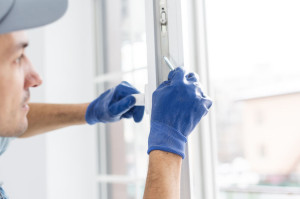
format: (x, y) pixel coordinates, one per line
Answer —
(144, 99)
(140, 99)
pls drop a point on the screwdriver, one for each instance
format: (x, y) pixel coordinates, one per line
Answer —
(140, 98)
(170, 65)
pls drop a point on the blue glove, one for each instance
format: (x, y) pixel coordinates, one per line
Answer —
(115, 104)
(177, 107)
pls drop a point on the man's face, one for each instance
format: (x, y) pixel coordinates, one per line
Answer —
(16, 77)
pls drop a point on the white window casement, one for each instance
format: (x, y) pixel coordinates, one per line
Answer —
(124, 54)
(122, 34)
(170, 39)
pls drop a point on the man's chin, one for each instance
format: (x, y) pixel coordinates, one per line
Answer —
(19, 130)
(13, 127)
(22, 128)
(12, 133)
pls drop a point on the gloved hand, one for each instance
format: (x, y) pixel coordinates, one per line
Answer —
(115, 104)
(178, 104)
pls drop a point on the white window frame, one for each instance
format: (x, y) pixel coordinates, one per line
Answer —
(201, 183)
(201, 163)
(157, 69)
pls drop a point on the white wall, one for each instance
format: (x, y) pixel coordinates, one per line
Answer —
(61, 164)
(70, 62)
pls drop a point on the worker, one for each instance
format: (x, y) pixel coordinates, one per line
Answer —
(177, 107)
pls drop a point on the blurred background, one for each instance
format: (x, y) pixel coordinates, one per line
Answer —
(253, 58)
(254, 49)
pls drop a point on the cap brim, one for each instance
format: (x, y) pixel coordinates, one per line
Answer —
(26, 14)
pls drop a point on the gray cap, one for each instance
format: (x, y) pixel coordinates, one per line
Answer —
(24, 14)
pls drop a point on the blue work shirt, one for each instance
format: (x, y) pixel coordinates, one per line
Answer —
(4, 141)
(2, 194)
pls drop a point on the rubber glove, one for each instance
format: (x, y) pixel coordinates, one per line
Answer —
(177, 107)
(115, 104)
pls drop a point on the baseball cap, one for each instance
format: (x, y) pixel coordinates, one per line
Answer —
(25, 14)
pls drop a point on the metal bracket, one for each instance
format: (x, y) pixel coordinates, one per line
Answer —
(164, 40)
(163, 13)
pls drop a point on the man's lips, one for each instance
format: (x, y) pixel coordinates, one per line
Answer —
(25, 107)
(26, 101)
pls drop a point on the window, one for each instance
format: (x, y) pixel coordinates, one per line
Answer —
(246, 53)
(122, 148)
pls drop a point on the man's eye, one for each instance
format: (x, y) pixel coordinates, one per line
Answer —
(19, 59)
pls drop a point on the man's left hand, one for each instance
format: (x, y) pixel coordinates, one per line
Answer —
(115, 104)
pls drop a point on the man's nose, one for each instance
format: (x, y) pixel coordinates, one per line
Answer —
(32, 78)
(35, 80)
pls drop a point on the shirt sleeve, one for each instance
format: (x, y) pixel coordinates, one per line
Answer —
(4, 141)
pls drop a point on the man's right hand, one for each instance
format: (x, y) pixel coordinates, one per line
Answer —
(178, 105)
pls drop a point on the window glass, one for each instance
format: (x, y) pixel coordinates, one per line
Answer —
(122, 149)
(254, 60)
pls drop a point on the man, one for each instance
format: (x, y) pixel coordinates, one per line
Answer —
(178, 103)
